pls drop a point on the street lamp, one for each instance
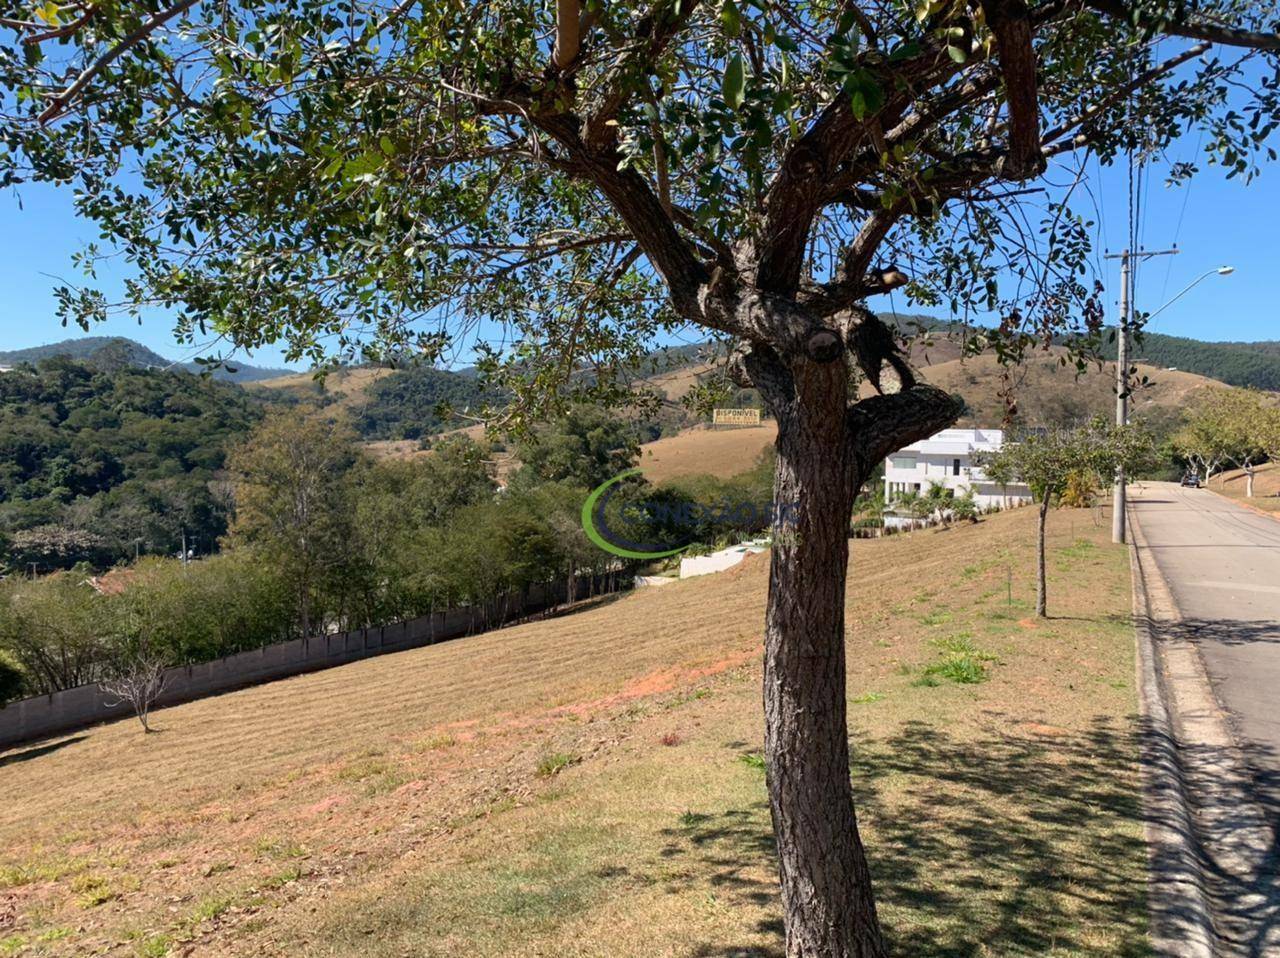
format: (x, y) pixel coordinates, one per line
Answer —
(1217, 271)
(1119, 504)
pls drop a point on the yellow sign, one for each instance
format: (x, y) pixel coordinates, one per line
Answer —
(736, 417)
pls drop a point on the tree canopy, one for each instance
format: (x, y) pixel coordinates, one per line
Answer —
(362, 176)
(553, 188)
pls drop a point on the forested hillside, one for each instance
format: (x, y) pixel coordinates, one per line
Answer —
(417, 401)
(1234, 363)
(113, 352)
(1237, 364)
(98, 463)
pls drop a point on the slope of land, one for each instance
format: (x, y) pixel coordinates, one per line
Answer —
(1266, 486)
(591, 785)
(1238, 364)
(1048, 393)
(704, 450)
(346, 387)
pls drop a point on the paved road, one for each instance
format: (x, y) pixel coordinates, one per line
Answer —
(1222, 564)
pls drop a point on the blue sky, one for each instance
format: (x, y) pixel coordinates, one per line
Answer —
(1214, 221)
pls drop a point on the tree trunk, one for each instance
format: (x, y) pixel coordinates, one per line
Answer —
(1041, 596)
(1248, 481)
(826, 888)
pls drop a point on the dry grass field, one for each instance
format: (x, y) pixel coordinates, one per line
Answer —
(591, 785)
(1046, 391)
(703, 450)
(346, 385)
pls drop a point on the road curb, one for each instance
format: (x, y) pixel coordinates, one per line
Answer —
(1177, 897)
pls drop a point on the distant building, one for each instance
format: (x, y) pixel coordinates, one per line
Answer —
(948, 458)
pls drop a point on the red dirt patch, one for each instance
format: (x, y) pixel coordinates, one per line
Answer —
(327, 805)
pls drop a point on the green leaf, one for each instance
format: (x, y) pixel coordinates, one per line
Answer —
(731, 17)
(735, 82)
(956, 53)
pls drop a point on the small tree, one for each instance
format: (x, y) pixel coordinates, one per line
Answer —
(1081, 490)
(965, 506)
(937, 503)
(138, 681)
(1201, 440)
(1047, 461)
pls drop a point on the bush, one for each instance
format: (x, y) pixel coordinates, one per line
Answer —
(11, 684)
(1080, 491)
(55, 630)
(188, 613)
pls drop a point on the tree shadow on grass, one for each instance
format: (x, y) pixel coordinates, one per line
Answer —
(994, 844)
(12, 758)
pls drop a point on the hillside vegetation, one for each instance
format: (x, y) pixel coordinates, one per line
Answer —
(95, 463)
(1237, 364)
(591, 785)
(1049, 393)
(114, 352)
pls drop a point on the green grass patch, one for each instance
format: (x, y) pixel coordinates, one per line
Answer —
(962, 662)
(280, 849)
(936, 617)
(210, 909)
(157, 946)
(555, 763)
(282, 878)
(92, 890)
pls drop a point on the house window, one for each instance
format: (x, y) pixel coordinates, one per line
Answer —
(955, 467)
(903, 462)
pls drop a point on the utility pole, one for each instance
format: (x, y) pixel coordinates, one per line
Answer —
(1119, 498)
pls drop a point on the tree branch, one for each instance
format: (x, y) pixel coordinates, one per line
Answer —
(881, 425)
(649, 223)
(568, 23)
(1192, 28)
(62, 101)
(1010, 21)
(1120, 92)
(622, 80)
(799, 191)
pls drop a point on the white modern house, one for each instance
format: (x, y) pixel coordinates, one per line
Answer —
(948, 458)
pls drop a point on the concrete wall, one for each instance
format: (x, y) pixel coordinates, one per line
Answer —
(45, 715)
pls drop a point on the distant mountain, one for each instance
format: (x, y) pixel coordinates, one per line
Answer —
(117, 352)
(1234, 363)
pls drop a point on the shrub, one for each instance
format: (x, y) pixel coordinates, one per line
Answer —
(11, 683)
(1081, 490)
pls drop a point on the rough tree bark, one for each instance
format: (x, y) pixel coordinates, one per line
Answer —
(826, 450)
(1041, 598)
(826, 887)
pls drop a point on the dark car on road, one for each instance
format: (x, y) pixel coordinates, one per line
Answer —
(1191, 480)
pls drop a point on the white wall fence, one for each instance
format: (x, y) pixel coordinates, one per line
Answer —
(44, 715)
